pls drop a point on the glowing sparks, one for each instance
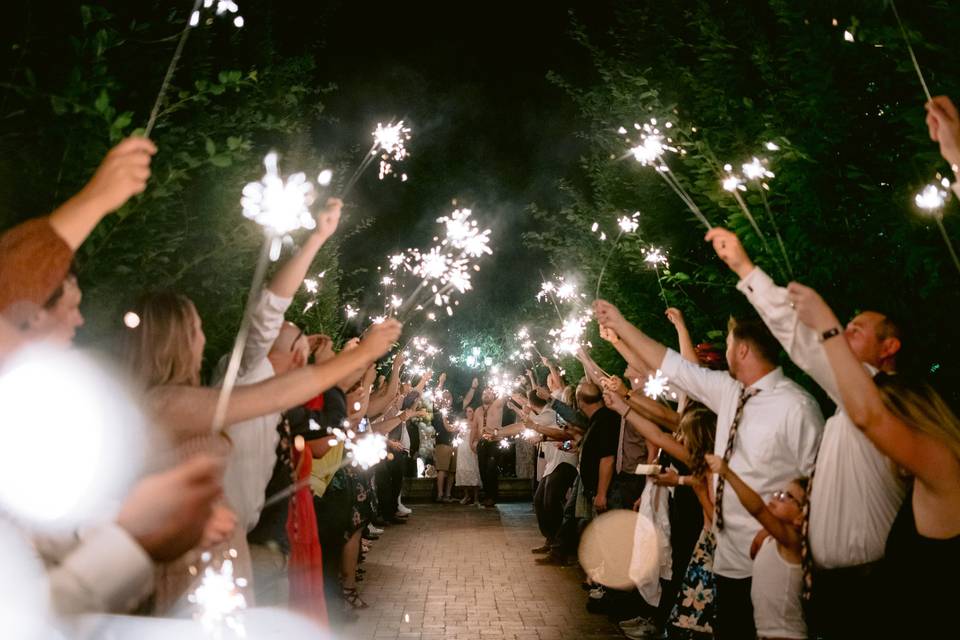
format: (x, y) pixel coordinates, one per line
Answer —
(311, 285)
(733, 183)
(378, 319)
(325, 177)
(131, 320)
(504, 444)
(847, 36)
(367, 451)
(350, 312)
(656, 385)
(280, 206)
(219, 599)
(772, 146)
(559, 290)
(396, 261)
(756, 170)
(389, 142)
(933, 196)
(568, 339)
(629, 224)
(655, 257)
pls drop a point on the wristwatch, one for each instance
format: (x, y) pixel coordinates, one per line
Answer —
(830, 333)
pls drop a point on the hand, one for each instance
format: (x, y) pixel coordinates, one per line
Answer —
(615, 402)
(380, 337)
(219, 526)
(600, 503)
(667, 479)
(811, 309)
(166, 513)
(675, 316)
(943, 122)
(553, 382)
(441, 380)
(393, 445)
(615, 385)
(474, 384)
(636, 504)
(123, 173)
(716, 464)
(328, 218)
(355, 400)
(543, 393)
(609, 335)
(321, 347)
(608, 315)
(728, 248)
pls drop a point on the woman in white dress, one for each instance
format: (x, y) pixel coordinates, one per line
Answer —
(468, 468)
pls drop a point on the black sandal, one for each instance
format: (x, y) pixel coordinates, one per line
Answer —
(352, 597)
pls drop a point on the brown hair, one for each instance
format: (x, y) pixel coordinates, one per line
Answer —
(752, 329)
(159, 350)
(698, 425)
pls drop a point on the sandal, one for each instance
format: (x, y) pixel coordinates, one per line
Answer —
(352, 597)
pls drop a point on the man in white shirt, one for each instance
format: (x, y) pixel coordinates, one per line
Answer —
(857, 491)
(273, 347)
(768, 429)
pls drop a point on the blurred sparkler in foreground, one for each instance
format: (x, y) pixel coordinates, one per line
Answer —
(219, 600)
(932, 199)
(656, 385)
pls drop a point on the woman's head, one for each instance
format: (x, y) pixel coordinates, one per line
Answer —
(787, 504)
(698, 428)
(919, 406)
(469, 413)
(167, 346)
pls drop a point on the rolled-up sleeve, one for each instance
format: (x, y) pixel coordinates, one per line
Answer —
(106, 572)
(702, 384)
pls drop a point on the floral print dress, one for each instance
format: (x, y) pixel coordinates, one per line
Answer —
(694, 611)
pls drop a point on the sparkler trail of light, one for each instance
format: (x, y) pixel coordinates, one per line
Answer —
(913, 56)
(932, 199)
(627, 224)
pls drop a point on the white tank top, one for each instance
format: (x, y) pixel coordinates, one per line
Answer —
(775, 591)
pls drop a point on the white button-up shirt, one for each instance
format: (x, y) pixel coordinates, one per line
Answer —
(255, 441)
(776, 442)
(856, 489)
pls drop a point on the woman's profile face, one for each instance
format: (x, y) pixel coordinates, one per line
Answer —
(197, 340)
(469, 413)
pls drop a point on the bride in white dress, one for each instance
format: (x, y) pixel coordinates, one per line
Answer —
(468, 468)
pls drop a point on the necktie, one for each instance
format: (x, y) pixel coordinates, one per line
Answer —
(806, 558)
(745, 395)
(623, 427)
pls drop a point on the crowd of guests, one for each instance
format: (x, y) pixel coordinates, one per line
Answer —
(771, 521)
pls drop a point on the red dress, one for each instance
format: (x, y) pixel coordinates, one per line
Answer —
(306, 557)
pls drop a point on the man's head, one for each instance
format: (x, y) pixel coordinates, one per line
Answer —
(589, 398)
(59, 317)
(875, 339)
(489, 395)
(290, 350)
(535, 401)
(751, 349)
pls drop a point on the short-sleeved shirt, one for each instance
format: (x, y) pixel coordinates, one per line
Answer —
(602, 440)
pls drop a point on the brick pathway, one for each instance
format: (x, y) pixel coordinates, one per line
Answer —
(464, 573)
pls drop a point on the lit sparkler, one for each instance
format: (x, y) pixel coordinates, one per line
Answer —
(389, 145)
(279, 206)
(932, 199)
(219, 599)
(656, 258)
(650, 151)
(656, 385)
(627, 224)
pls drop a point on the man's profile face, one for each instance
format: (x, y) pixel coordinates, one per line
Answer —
(58, 323)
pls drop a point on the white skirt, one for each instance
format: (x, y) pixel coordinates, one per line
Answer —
(468, 468)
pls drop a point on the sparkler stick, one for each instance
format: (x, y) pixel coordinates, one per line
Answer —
(776, 230)
(932, 199)
(627, 225)
(171, 69)
(913, 56)
(390, 141)
(664, 172)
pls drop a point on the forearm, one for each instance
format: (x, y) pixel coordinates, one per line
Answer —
(685, 342)
(654, 435)
(654, 411)
(591, 369)
(467, 399)
(76, 218)
(749, 498)
(290, 276)
(606, 475)
(387, 425)
(648, 350)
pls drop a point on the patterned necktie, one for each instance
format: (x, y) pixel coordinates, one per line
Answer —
(623, 427)
(745, 395)
(806, 558)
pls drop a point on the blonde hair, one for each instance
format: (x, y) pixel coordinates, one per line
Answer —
(160, 350)
(698, 426)
(919, 406)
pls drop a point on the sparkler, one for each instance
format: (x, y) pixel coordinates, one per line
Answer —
(734, 184)
(223, 6)
(389, 145)
(627, 224)
(913, 56)
(656, 385)
(219, 599)
(656, 257)
(651, 150)
(279, 206)
(932, 199)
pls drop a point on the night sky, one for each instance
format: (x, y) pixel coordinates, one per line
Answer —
(489, 129)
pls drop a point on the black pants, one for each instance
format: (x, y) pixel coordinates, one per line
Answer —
(734, 610)
(625, 489)
(837, 593)
(488, 454)
(389, 480)
(550, 498)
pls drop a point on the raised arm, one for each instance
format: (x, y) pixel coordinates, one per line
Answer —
(687, 350)
(594, 374)
(288, 279)
(927, 458)
(122, 174)
(645, 427)
(646, 348)
(467, 399)
(189, 411)
(386, 394)
(754, 504)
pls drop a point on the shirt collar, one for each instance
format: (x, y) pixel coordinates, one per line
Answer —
(769, 381)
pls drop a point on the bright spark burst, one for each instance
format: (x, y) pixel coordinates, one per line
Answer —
(397, 260)
(629, 224)
(656, 385)
(733, 182)
(280, 206)
(378, 319)
(464, 234)
(504, 444)
(219, 599)
(568, 339)
(325, 177)
(559, 289)
(656, 257)
(933, 196)
(756, 170)
(363, 451)
(390, 144)
(310, 285)
(350, 312)
(652, 145)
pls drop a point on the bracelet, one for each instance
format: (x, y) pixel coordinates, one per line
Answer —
(829, 333)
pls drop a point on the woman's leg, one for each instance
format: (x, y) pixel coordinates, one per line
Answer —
(349, 561)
